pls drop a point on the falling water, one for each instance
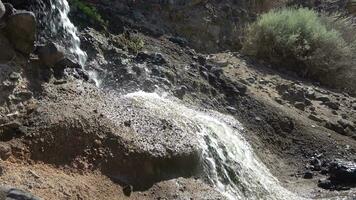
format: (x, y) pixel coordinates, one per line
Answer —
(64, 31)
(230, 164)
(63, 28)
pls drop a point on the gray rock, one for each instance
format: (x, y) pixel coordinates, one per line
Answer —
(2, 10)
(50, 54)
(21, 31)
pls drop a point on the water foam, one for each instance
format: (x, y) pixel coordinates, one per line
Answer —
(230, 164)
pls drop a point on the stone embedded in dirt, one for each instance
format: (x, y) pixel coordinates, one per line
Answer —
(11, 130)
(316, 164)
(5, 151)
(334, 126)
(344, 172)
(325, 184)
(322, 98)
(332, 105)
(14, 76)
(308, 174)
(315, 118)
(127, 189)
(21, 31)
(300, 105)
(23, 95)
(346, 124)
(354, 106)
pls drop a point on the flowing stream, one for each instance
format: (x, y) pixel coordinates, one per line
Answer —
(230, 164)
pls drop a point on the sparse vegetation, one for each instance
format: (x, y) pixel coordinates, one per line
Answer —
(89, 11)
(321, 47)
(132, 42)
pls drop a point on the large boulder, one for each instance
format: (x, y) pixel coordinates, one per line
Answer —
(76, 124)
(21, 31)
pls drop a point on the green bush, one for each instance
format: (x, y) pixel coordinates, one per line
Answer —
(89, 11)
(321, 47)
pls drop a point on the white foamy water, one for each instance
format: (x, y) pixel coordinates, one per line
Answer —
(70, 33)
(230, 164)
(61, 26)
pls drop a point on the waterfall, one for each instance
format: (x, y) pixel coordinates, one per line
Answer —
(229, 163)
(62, 28)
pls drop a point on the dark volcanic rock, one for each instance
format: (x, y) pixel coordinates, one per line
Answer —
(343, 172)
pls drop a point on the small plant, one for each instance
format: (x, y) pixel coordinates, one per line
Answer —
(317, 46)
(89, 11)
(132, 42)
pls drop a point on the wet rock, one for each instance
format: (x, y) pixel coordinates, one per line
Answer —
(154, 58)
(343, 171)
(181, 91)
(179, 40)
(50, 54)
(21, 31)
